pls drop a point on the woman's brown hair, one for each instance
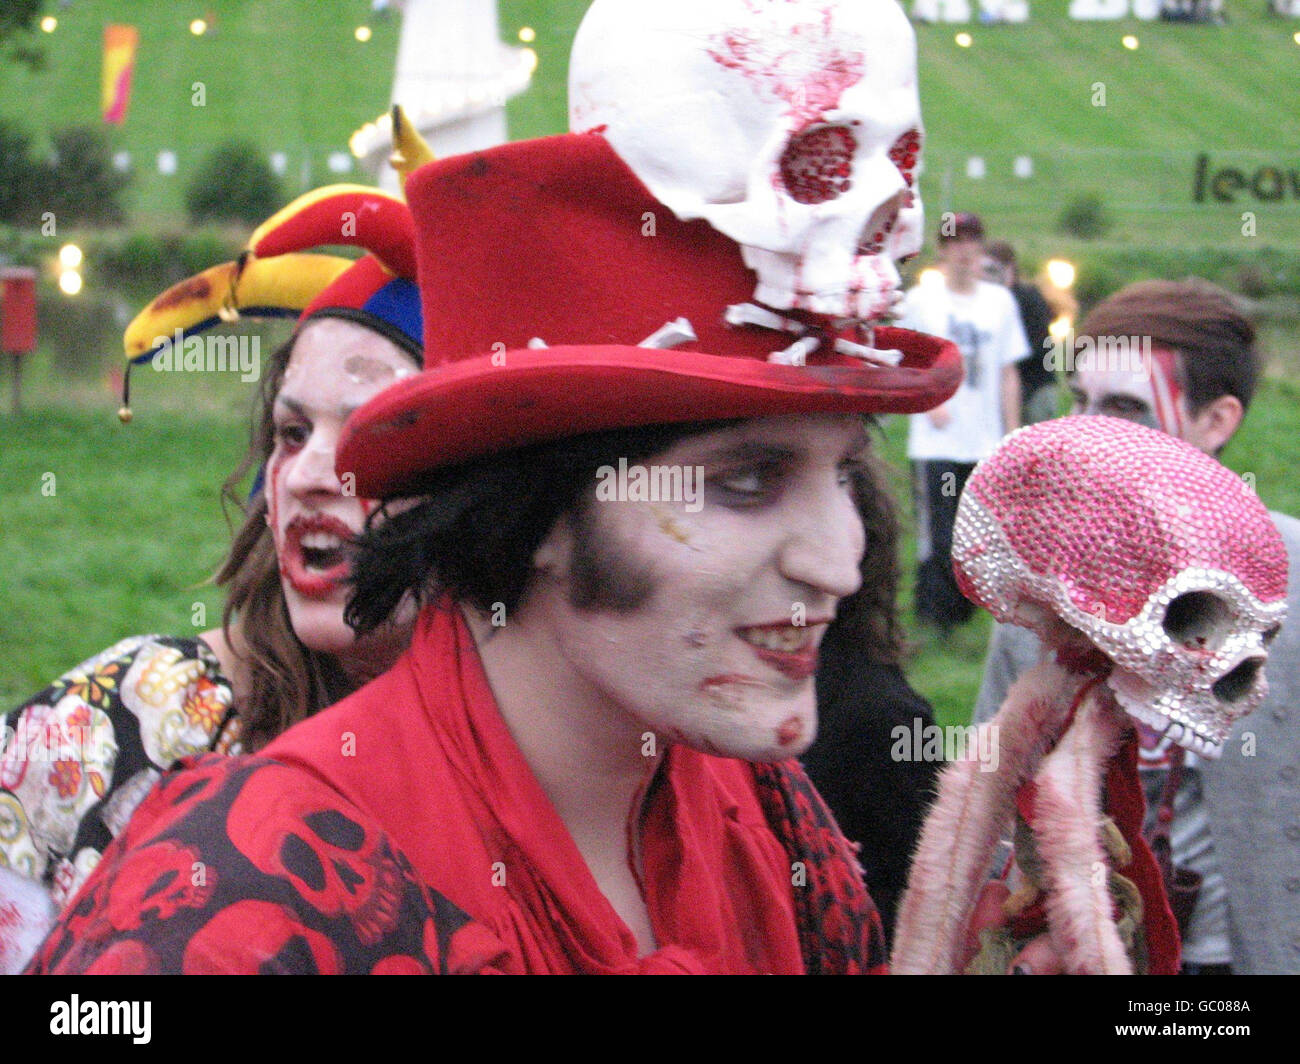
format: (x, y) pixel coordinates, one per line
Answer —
(287, 681)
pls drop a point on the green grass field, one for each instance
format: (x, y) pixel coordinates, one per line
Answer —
(132, 528)
(1091, 115)
(288, 76)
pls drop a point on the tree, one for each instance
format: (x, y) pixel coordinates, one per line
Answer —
(20, 175)
(84, 186)
(233, 183)
(17, 25)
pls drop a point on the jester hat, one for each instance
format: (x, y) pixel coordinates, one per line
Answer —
(274, 278)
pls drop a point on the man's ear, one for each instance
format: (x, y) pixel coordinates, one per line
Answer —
(555, 552)
(1211, 427)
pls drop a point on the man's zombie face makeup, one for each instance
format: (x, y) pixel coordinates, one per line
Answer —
(702, 625)
(1135, 380)
(336, 366)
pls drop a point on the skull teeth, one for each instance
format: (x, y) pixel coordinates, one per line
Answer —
(1175, 731)
(785, 640)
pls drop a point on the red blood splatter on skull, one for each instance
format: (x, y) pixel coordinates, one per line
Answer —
(904, 154)
(791, 126)
(804, 66)
(816, 165)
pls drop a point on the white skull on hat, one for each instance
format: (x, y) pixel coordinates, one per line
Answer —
(791, 126)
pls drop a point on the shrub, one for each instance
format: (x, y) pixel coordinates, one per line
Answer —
(76, 182)
(20, 176)
(83, 186)
(1084, 217)
(234, 183)
(143, 264)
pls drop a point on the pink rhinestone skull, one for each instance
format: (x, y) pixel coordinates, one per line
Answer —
(1163, 558)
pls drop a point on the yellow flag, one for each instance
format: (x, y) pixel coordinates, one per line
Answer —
(119, 64)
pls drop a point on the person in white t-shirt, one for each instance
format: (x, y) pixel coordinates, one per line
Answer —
(945, 443)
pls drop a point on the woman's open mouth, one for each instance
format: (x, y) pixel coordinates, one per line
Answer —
(316, 555)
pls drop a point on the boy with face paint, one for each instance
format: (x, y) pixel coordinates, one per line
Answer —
(1179, 357)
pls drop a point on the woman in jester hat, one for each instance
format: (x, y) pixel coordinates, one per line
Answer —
(84, 751)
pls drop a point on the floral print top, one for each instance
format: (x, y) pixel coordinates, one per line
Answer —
(77, 759)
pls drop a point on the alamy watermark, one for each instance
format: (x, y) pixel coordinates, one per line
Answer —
(209, 354)
(52, 741)
(930, 742)
(655, 483)
(77, 1017)
(1101, 354)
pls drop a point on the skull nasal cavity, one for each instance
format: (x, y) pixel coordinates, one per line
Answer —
(817, 164)
(1239, 682)
(1198, 620)
(300, 860)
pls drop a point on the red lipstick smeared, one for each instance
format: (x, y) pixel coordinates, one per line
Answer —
(797, 664)
(310, 580)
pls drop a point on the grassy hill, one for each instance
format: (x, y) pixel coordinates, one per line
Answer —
(288, 75)
(1127, 126)
(1092, 116)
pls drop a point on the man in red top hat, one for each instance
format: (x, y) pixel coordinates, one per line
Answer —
(627, 555)
(630, 509)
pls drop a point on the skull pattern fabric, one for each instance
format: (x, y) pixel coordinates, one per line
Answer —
(1165, 559)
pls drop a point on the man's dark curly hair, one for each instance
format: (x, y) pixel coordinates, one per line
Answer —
(477, 525)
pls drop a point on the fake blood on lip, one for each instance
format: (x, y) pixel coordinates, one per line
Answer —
(309, 581)
(797, 664)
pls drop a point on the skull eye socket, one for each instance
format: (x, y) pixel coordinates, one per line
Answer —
(904, 154)
(817, 163)
(881, 224)
(1239, 682)
(1198, 621)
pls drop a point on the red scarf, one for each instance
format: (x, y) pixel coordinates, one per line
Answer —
(743, 870)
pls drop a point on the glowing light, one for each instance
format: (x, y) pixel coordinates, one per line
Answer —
(362, 33)
(964, 40)
(1296, 37)
(1060, 328)
(527, 34)
(530, 59)
(1130, 42)
(70, 256)
(49, 24)
(70, 282)
(198, 27)
(1060, 273)
(930, 276)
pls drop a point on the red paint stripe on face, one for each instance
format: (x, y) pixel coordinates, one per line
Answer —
(1168, 395)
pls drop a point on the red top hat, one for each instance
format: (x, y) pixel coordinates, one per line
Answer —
(546, 267)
